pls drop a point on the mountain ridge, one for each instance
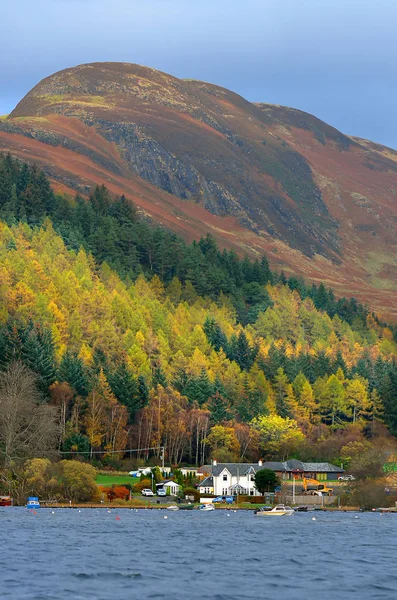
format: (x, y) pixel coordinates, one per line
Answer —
(199, 158)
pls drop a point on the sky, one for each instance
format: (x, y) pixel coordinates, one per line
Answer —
(336, 59)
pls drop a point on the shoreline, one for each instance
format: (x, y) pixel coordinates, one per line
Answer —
(113, 506)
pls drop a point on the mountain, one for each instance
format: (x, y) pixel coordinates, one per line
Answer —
(199, 159)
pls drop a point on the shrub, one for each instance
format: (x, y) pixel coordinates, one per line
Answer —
(121, 492)
(189, 491)
(144, 483)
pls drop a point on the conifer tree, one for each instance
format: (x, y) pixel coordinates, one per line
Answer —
(125, 387)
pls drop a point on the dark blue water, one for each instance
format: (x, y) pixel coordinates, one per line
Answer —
(91, 555)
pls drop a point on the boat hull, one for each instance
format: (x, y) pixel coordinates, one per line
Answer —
(5, 501)
(280, 513)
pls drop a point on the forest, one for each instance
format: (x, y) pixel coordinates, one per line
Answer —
(115, 334)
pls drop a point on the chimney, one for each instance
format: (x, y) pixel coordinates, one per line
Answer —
(214, 463)
(260, 463)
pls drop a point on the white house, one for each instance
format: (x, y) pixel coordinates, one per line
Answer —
(171, 487)
(232, 479)
(229, 479)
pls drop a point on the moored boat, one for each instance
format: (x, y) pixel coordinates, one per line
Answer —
(303, 508)
(278, 511)
(33, 502)
(206, 507)
(6, 501)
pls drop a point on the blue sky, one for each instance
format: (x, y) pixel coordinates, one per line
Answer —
(336, 59)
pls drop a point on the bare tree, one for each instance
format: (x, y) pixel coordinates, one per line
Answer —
(28, 427)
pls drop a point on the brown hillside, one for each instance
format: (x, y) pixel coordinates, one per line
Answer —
(199, 158)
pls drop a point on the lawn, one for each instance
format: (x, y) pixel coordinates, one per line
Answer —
(110, 479)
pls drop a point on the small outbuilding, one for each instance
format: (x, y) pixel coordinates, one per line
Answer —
(171, 487)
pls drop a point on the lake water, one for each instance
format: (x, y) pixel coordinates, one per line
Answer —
(92, 555)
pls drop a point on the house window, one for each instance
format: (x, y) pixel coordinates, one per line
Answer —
(252, 477)
(225, 478)
(251, 492)
(224, 491)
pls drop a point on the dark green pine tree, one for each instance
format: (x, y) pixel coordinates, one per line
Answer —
(251, 404)
(125, 387)
(158, 377)
(366, 369)
(241, 351)
(304, 363)
(73, 370)
(11, 210)
(123, 210)
(266, 274)
(321, 365)
(339, 363)
(180, 381)
(86, 218)
(5, 188)
(76, 443)
(273, 362)
(3, 347)
(387, 389)
(198, 389)
(321, 297)
(100, 200)
(12, 343)
(45, 191)
(219, 405)
(143, 392)
(23, 178)
(215, 335)
(99, 362)
(38, 353)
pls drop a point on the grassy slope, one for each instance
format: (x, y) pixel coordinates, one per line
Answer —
(108, 480)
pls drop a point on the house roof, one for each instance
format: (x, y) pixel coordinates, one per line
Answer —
(233, 468)
(323, 468)
(167, 482)
(207, 482)
(278, 466)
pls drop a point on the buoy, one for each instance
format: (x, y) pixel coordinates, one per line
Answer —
(165, 517)
(117, 518)
(53, 512)
(79, 510)
(356, 517)
(313, 518)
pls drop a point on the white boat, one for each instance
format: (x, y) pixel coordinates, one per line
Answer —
(278, 511)
(173, 507)
(206, 507)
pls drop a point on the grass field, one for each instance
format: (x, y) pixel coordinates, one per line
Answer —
(110, 479)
